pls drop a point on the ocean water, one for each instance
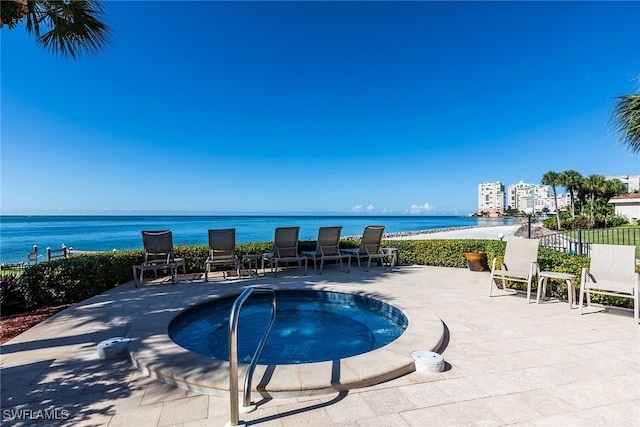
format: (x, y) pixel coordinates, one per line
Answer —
(18, 234)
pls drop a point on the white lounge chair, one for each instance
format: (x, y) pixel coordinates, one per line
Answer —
(611, 272)
(519, 264)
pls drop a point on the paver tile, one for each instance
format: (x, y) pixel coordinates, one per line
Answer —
(194, 408)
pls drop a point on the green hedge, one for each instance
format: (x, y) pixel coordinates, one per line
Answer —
(450, 253)
(74, 279)
(69, 280)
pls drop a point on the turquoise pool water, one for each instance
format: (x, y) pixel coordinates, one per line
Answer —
(310, 326)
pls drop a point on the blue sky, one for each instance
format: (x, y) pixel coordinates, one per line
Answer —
(315, 107)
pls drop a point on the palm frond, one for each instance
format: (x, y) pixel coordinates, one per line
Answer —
(626, 119)
(68, 28)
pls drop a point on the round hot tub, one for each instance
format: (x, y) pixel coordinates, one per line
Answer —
(360, 338)
(310, 326)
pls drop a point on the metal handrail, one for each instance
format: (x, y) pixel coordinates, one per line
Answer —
(233, 351)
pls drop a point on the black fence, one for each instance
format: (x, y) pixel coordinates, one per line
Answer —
(580, 241)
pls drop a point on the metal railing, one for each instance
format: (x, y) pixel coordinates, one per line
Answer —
(33, 257)
(57, 253)
(233, 352)
(579, 241)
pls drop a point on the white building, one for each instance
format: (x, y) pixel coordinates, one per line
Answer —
(564, 201)
(491, 198)
(627, 205)
(523, 195)
(631, 181)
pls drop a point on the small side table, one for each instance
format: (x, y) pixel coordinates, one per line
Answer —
(252, 270)
(569, 278)
(395, 257)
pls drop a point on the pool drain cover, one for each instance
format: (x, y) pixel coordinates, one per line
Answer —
(113, 347)
(428, 361)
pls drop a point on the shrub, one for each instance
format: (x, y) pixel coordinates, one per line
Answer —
(9, 296)
(69, 280)
(579, 222)
(614, 221)
(444, 253)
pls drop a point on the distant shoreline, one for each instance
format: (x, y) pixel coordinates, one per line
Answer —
(471, 232)
(397, 234)
(431, 231)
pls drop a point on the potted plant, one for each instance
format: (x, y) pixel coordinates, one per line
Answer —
(476, 261)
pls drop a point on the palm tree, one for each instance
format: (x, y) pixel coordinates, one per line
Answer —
(572, 181)
(613, 187)
(552, 179)
(594, 185)
(626, 118)
(65, 28)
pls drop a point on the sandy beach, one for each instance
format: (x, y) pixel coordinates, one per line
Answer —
(461, 233)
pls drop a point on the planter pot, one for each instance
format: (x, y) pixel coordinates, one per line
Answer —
(476, 261)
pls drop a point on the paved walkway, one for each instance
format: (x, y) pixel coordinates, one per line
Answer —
(509, 363)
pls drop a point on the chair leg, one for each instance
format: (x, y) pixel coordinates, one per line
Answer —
(491, 283)
(135, 277)
(542, 283)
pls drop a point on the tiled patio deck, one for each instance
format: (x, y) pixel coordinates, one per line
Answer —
(510, 363)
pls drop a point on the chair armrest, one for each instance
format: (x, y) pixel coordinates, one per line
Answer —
(583, 276)
(537, 269)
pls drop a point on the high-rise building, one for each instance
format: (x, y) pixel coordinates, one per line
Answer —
(523, 195)
(491, 198)
(632, 182)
